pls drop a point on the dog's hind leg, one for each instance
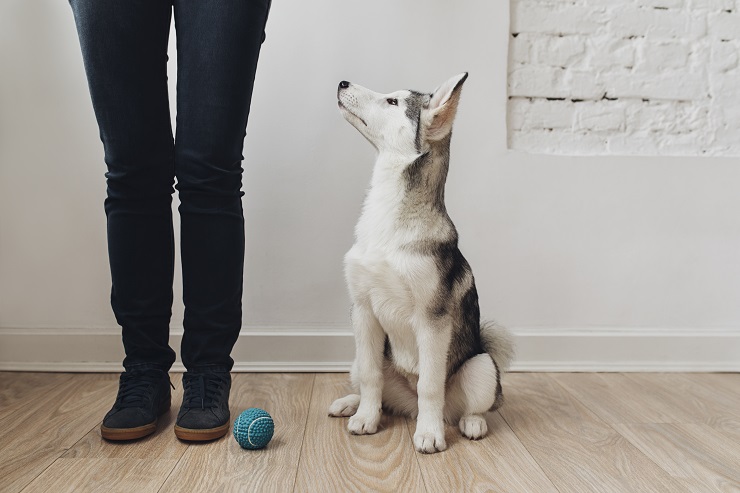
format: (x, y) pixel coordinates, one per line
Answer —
(345, 406)
(472, 391)
(398, 395)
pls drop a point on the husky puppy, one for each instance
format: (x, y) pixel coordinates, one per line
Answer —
(421, 349)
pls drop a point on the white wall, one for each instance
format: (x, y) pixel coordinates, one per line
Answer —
(607, 252)
(647, 77)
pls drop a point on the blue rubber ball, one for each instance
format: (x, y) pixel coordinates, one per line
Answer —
(253, 428)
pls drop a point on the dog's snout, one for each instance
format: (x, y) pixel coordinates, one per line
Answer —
(343, 85)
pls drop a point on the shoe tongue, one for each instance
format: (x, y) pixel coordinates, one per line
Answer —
(201, 388)
(136, 385)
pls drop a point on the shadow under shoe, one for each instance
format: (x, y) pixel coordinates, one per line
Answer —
(143, 396)
(204, 414)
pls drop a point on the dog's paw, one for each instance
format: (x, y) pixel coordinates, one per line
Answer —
(429, 441)
(346, 406)
(473, 426)
(364, 424)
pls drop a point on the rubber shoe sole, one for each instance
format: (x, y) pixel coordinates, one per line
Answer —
(117, 434)
(196, 435)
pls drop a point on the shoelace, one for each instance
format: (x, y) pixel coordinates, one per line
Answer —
(135, 387)
(202, 389)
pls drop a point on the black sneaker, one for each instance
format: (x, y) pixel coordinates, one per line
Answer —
(143, 396)
(204, 414)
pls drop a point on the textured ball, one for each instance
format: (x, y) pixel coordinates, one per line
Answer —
(253, 428)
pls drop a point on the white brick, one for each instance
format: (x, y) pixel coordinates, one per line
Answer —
(534, 81)
(607, 52)
(681, 145)
(725, 87)
(670, 68)
(555, 142)
(671, 4)
(666, 117)
(558, 51)
(726, 96)
(553, 82)
(724, 25)
(516, 110)
(519, 50)
(712, 4)
(724, 57)
(632, 144)
(600, 116)
(540, 114)
(727, 141)
(581, 85)
(650, 115)
(659, 56)
(630, 21)
(554, 19)
(666, 86)
(595, 3)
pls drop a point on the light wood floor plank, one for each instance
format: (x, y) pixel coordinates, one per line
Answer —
(577, 451)
(17, 387)
(63, 418)
(162, 444)
(577, 433)
(659, 398)
(30, 406)
(696, 398)
(727, 382)
(102, 475)
(729, 428)
(722, 391)
(334, 460)
(689, 451)
(498, 462)
(619, 398)
(694, 395)
(224, 466)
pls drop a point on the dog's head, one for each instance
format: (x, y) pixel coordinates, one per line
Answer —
(402, 122)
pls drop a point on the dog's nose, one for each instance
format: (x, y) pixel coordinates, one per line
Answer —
(344, 84)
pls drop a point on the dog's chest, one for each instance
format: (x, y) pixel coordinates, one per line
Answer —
(375, 279)
(394, 286)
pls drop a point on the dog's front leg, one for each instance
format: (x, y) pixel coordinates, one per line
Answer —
(368, 368)
(434, 344)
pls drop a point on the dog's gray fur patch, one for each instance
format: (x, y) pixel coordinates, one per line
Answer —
(415, 102)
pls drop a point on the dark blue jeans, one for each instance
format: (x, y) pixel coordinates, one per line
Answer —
(124, 48)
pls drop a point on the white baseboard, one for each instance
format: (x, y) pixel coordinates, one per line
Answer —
(309, 349)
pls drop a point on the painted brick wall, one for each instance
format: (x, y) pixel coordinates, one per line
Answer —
(649, 77)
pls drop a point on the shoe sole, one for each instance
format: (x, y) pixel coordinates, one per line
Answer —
(197, 435)
(117, 434)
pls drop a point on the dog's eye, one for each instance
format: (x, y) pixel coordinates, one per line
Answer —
(392, 101)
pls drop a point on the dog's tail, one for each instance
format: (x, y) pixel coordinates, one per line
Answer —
(498, 343)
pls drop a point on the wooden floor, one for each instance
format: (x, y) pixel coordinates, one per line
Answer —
(560, 432)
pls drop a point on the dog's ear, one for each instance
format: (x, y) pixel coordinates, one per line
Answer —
(440, 113)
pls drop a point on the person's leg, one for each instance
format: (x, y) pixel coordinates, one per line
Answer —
(124, 47)
(218, 44)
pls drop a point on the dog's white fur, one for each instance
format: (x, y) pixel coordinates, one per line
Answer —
(393, 286)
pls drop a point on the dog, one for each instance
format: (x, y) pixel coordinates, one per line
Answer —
(421, 349)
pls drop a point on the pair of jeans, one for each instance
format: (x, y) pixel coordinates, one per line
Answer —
(124, 49)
